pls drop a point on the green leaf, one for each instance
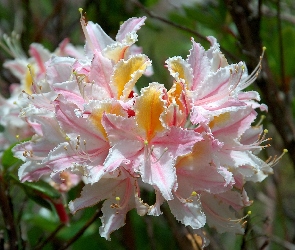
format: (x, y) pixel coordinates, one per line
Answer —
(2, 128)
(41, 192)
(288, 47)
(41, 188)
(8, 159)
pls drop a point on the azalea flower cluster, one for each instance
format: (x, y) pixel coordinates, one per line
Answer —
(193, 145)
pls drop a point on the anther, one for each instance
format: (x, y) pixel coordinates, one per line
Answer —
(194, 193)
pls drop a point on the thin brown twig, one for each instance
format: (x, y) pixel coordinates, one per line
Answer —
(181, 27)
(50, 237)
(281, 49)
(82, 230)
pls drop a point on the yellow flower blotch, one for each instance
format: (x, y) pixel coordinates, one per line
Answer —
(29, 80)
(219, 120)
(189, 160)
(148, 109)
(127, 73)
(174, 94)
(177, 67)
(98, 112)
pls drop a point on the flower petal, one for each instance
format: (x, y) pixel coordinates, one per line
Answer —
(126, 74)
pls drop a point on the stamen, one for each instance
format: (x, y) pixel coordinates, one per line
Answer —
(12, 46)
(239, 220)
(84, 23)
(272, 161)
(262, 117)
(165, 150)
(17, 137)
(81, 83)
(194, 193)
(253, 76)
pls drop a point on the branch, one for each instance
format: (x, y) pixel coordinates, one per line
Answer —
(281, 49)
(176, 25)
(82, 230)
(248, 26)
(7, 213)
(50, 237)
(286, 244)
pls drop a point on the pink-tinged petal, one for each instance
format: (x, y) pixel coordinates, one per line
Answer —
(214, 89)
(71, 124)
(49, 126)
(70, 91)
(175, 116)
(39, 147)
(18, 67)
(249, 95)
(62, 157)
(232, 124)
(158, 170)
(155, 210)
(188, 211)
(94, 193)
(192, 171)
(199, 64)
(199, 180)
(235, 199)
(122, 152)
(180, 70)
(178, 141)
(98, 109)
(119, 128)
(39, 101)
(59, 69)
(179, 105)
(96, 38)
(101, 71)
(131, 25)
(200, 156)
(220, 215)
(111, 220)
(141, 207)
(115, 209)
(32, 171)
(40, 54)
(198, 115)
(65, 48)
(82, 67)
(120, 197)
(237, 159)
(217, 59)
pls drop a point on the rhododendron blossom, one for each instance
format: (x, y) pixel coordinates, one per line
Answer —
(194, 145)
